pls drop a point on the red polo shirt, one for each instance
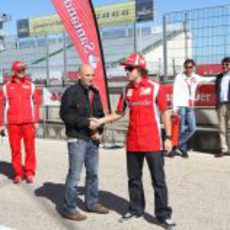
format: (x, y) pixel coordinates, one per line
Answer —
(144, 101)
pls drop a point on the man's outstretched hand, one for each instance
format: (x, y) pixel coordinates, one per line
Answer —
(94, 123)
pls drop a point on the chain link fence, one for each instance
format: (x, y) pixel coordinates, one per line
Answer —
(205, 37)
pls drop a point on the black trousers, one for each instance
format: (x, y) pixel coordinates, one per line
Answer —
(155, 161)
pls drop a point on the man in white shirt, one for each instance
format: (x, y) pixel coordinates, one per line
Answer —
(184, 91)
(223, 106)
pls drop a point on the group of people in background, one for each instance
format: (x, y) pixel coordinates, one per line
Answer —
(82, 113)
(184, 92)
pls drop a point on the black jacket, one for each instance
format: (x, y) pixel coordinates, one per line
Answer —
(218, 89)
(75, 110)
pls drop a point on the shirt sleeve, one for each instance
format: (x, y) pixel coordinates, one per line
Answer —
(2, 106)
(37, 103)
(202, 79)
(176, 94)
(122, 105)
(162, 99)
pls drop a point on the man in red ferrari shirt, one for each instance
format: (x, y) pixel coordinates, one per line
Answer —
(144, 98)
(19, 112)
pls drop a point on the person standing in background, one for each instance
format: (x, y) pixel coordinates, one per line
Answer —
(184, 92)
(19, 113)
(223, 106)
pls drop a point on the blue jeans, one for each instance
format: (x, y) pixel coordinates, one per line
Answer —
(81, 152)
(188, 126)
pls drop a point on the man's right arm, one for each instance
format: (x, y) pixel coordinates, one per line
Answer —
(117, 115)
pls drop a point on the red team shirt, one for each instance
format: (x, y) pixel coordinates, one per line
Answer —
(144, 101)
(19, 103)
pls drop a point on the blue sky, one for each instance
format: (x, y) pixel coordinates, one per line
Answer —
(19, 9)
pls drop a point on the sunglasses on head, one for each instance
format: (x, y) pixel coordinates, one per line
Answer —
(129, 68)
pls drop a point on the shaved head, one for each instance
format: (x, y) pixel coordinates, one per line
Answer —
(86, 74)
(84, 68)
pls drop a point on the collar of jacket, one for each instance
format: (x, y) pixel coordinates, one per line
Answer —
(143, 82)
(16, 79)
(85, 88)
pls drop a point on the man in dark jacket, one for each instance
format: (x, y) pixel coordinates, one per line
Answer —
(223, 106)
(80, 102)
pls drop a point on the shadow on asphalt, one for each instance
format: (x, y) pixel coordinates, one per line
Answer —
(6, 169)
(55, 193)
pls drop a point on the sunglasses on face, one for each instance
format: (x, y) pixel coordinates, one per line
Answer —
(189, 67)
(129, 68)
(20, 71)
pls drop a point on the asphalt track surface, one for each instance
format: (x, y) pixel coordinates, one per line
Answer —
(199, 192)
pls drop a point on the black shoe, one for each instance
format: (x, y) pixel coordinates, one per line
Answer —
(171, 154)
(128, 216)
(221, 154)
(185, 155)
(168, 224)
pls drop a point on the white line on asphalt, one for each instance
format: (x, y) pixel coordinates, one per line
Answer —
(5, 228)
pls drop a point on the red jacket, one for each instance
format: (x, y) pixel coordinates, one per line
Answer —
(144, 101)
(19, 102)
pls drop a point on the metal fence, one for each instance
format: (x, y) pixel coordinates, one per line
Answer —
(205, 37)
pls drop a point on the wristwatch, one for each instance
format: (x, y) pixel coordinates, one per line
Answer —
(168, 137)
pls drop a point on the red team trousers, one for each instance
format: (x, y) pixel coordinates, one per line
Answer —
(16, 134)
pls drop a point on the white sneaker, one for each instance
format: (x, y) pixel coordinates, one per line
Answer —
(169, 224)
(128, 216)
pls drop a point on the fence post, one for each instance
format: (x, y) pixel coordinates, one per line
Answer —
(185, 34)
(47, 61)
(135, 36)
(165, 58)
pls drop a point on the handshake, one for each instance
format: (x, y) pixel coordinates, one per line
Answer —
(94, 123)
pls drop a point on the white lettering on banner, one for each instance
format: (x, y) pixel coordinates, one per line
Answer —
(88, 46)
(51, 99)
(203, 97)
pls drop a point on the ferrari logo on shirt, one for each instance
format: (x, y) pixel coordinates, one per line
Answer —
(145, 91)
(26, 86)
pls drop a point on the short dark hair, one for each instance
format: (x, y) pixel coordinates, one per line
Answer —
(143, 72)
(189, 61)
(224, 60)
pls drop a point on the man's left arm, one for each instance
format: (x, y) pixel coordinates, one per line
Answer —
(166, 118)
(202, 79)
(100, 111)
(37, 98)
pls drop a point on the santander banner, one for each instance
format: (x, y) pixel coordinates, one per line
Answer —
(80, 22)
(205, 95)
